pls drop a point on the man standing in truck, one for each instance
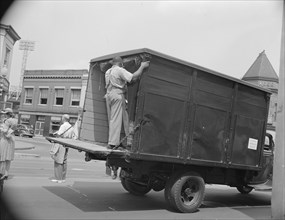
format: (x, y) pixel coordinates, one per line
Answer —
(116, 84)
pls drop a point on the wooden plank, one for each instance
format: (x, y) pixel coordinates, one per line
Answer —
(217, 86)
(96, 89)
(95, 96)
(85, 146)
(94, 136)
(95, 106)
(97, 122)
(252, 96)
(91, 127)
(90, 117)
(165, 70)
(212, 100)
(87, 136)
(165, 88)
(97, 76)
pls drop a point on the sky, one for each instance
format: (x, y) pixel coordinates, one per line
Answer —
(225, 36)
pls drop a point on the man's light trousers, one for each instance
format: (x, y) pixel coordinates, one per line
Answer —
(117, 114)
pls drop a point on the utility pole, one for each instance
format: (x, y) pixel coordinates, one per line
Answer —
(26, 46)
(278, 187)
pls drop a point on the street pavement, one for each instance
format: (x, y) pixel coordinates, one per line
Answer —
(87, 195)
(20, 145)
(104, 198)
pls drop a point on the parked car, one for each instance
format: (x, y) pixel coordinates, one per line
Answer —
(24, 131)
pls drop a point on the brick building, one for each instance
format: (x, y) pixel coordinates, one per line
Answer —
(48, 94)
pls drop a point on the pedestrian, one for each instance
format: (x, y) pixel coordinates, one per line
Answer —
(116, 84)
(60, 162)
(7, 142)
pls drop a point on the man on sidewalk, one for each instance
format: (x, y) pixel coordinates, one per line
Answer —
(60, 159)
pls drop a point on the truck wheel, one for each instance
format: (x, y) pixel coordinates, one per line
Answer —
(244, 189)
(158, 186)
(185, 193)
(134, 188)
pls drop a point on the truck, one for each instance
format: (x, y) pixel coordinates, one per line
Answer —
(189, 126)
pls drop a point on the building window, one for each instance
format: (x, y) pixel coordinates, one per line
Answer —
(54, 124)
(25, 119)
(29, 95)
(7, 57)
(41, 118)
(43, 96)
(75, 97)
(59, 96)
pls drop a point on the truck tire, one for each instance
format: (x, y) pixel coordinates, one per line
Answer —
(185, 192)
(134, 188)
(244, 189)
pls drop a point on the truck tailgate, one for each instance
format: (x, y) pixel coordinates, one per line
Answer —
(93, 148)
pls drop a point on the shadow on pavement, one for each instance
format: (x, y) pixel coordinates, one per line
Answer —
(217, 199)
(255, 205)
(260, 213)
(110, 196)
(5, 212)
(101, 197)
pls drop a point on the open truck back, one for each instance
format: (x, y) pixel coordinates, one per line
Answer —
(191, 126)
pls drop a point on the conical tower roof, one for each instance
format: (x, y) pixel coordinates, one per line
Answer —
(261, 69)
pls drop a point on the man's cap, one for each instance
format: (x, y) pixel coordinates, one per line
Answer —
(117, 59)
(66, 116)
(7, 110)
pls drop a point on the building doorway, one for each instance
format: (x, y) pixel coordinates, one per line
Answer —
(39, 128)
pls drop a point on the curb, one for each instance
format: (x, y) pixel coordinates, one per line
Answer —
(26, 155)
(25, 148)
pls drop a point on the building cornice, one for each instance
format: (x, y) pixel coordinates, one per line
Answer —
(51, 77)
(10, 30)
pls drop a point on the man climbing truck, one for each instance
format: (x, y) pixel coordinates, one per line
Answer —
(189, 126)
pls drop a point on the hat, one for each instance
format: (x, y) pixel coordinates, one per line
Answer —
(66, 117)
(117, 59)
(7, 110)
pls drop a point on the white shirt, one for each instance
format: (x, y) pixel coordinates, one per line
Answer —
(63, 128)
(117, 77)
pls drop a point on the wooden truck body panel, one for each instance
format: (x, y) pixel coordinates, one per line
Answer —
(188, 114)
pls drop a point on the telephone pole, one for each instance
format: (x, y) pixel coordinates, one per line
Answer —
(278, 187)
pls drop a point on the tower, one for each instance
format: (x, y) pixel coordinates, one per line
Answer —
(261, 73)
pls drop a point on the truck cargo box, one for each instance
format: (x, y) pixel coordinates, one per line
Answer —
(183, 113)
